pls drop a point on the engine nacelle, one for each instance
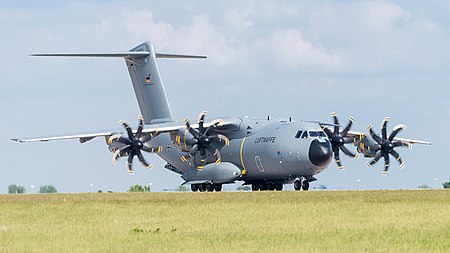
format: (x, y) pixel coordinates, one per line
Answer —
(113, 145)
(363, 144)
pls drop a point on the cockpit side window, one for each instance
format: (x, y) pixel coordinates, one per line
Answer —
(304, 135)
(313, 134)
(322, 134)
(299, 133)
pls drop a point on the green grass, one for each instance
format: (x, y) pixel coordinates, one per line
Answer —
(317, 221)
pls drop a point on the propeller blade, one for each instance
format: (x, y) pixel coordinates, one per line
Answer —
(402, 144)
(336, 123)
(116, 157)
(190, 154)
(190, 129)
(383, 128)
(119, 139)
(374, 160)
(397, 156)
(396, 130)
(348, 152)
(328, 132)
(202, 152)
(140, 127)
(142, 160)
(336, 158)
(386, 163)
(201, 120)
(220, 138)
(374, 135)
(216, 153)
(130, 162)
(349, 125)
(127, 128)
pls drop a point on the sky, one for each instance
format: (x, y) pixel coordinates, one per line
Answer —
(299, 59)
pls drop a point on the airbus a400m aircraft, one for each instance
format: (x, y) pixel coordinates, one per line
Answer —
(264, 152)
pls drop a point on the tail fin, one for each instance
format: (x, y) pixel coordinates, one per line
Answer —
(144, 74)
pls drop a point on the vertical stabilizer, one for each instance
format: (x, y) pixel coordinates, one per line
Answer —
(148, 85)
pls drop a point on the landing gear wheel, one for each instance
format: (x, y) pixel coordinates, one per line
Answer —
(218, 187)
(270, 187)
(263, 187)
(298, 185)
(194, 187)
(210, 187)
(305, 185)
(202, 187)
(279, 187)
(255, 187)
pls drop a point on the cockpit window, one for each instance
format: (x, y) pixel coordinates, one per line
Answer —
(322, 134)
(313, 134)
(305, 135)
(299, 133)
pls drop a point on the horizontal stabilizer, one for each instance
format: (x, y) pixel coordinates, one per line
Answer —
(124, 55)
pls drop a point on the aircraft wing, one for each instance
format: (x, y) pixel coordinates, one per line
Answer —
(85, 137)
(406, 141)
(82, 137)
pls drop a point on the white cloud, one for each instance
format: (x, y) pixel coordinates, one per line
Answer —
(290, 49)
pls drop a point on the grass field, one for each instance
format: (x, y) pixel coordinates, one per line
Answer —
(318, 221)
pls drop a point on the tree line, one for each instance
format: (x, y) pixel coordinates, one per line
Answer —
(17, 189)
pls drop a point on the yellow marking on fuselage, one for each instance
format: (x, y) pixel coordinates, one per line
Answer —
(241, 156)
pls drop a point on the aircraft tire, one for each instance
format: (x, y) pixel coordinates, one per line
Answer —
(194, 187)
(202, 187)
(270, 187)
(305, 185)
(255, 187)
(297, 185)
(210, 187)
(218, 187)
(263, 187)
(279, 187)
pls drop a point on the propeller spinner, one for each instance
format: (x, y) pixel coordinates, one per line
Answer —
(339, 138)
(133, 143)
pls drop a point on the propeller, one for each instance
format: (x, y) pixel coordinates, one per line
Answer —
(385, 145)
(202, 141)
(339, 138)
(133, 143)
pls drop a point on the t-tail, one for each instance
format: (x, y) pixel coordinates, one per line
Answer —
(145, 77)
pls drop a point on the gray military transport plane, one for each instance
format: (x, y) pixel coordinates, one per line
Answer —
(264, 152)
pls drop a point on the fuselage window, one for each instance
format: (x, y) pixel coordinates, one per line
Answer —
(304, 135)
(313, 134)
(299, 133)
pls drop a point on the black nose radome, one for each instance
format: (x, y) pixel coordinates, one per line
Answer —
(320, 152)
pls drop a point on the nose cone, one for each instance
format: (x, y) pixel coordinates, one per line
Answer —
(320, 152)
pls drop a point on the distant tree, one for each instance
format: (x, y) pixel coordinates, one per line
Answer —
(139, 188)
(244, 188)
(424, 186)
(47, 189)
(181, 188)
(446, 184)
(321, 187)
(16, 189)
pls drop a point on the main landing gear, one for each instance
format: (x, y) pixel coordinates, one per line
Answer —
(206, 187)
(301, 185)
(267, 186)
